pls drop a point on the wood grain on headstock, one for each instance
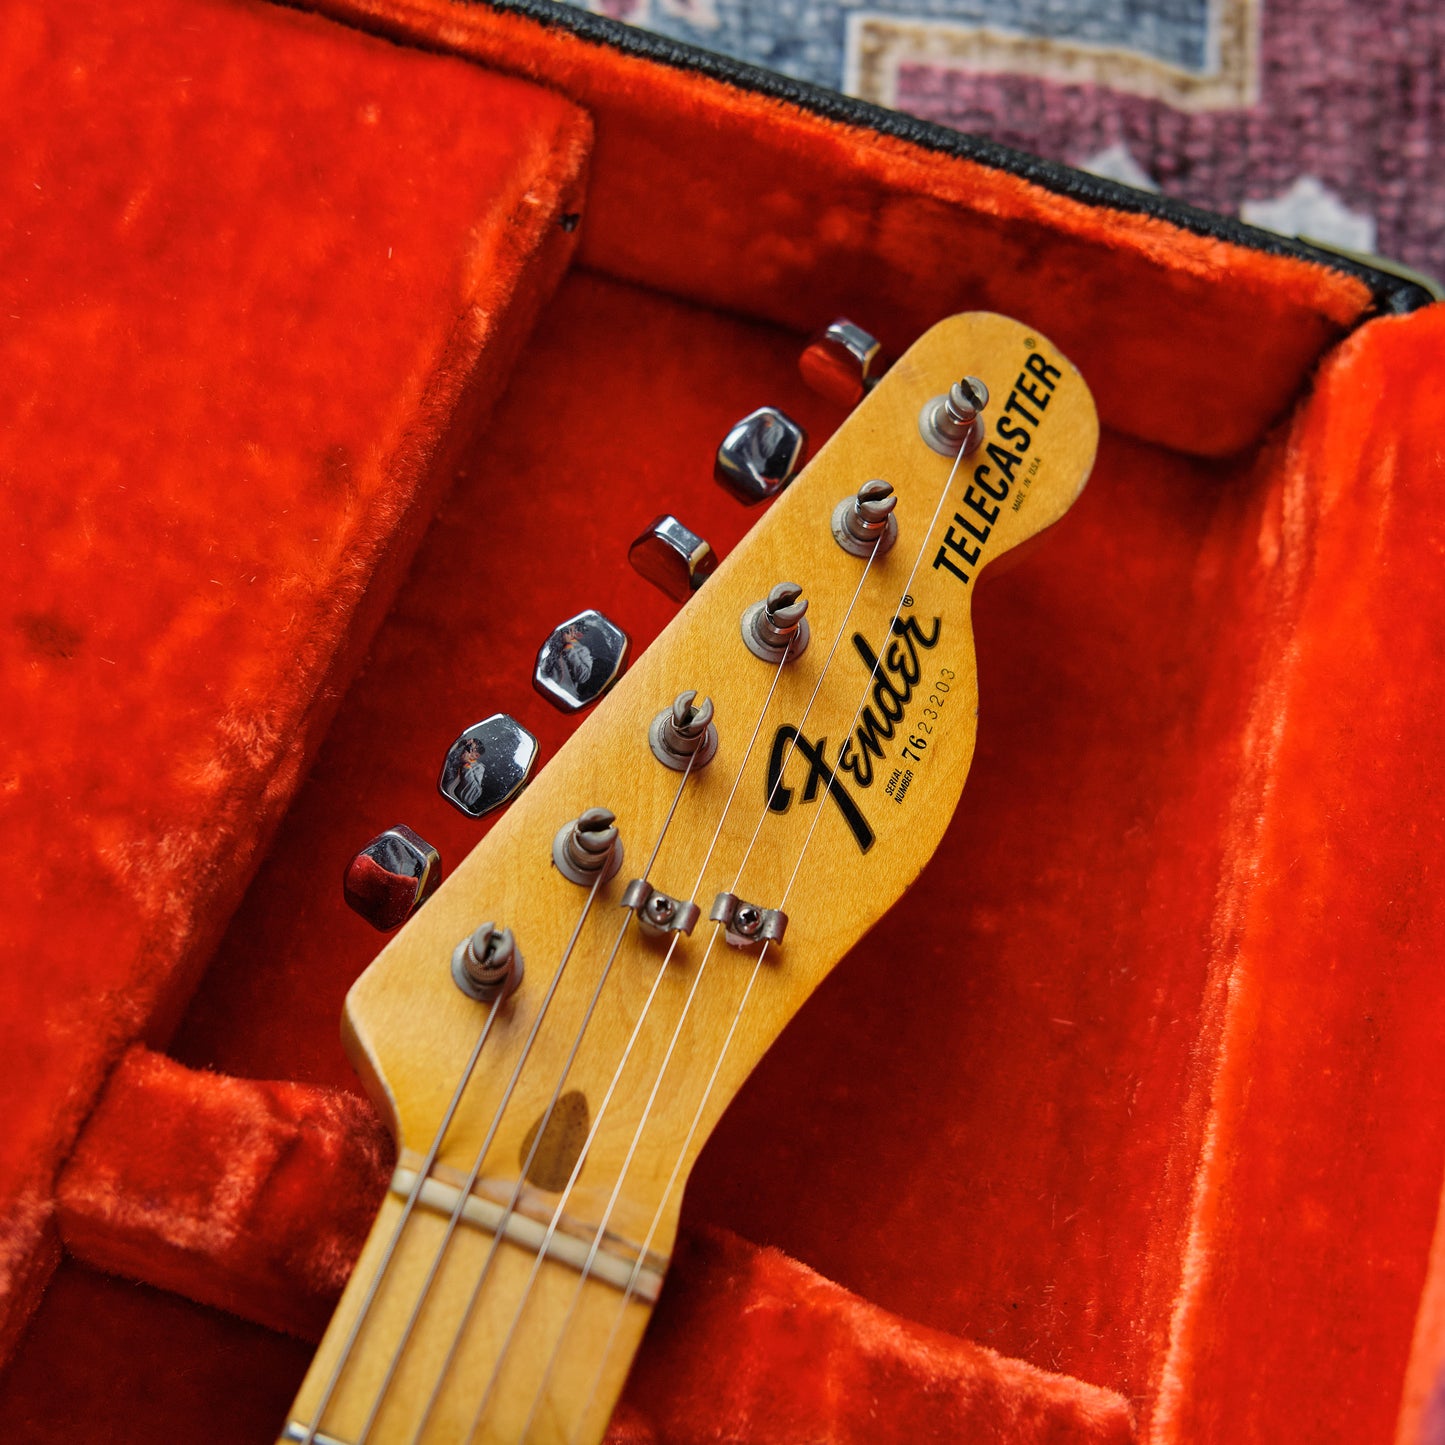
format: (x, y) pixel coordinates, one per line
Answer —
(411, 1030)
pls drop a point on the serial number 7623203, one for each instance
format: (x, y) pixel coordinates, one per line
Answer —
(918, 740)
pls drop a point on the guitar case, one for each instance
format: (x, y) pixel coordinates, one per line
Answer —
(345, 350)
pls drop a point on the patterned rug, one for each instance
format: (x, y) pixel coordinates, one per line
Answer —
(1319, 118)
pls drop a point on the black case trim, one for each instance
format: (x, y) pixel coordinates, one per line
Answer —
(1393, 294)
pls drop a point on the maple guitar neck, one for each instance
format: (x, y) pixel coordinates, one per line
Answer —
(511, 1309)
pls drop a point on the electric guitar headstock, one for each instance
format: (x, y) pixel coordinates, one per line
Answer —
(555, 1034)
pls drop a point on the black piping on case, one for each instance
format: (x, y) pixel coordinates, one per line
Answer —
(1393, 294)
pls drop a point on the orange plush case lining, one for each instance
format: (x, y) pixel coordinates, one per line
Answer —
(1147, 1105)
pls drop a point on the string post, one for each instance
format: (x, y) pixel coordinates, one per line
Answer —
(588, 850)
(952, 424)
(487, 965)
(776, 629)
(864, 523)
(745, 924)
(684, 737)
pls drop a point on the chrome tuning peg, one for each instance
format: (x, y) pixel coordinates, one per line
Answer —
(760, 455)
(580, 660)
(672, 557)
(392, 877)
(487, 765)
(842, 362)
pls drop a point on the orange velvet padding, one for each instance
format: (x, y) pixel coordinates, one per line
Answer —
(1017, 1138)
(1422, 1410)
(256, 1197)
(749, 1345)
(262, 276)
(252, 1196)
(1316, 1197)
(756, 204)
(1189, 905)
(1139, 1086)
(110, 1362)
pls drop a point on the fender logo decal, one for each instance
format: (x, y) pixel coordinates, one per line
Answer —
(894, 679)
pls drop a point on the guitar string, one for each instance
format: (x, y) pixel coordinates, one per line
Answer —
(465, 1189)
(636, 1270)
(434, 1149)
(500, 1228)
(516, 1194)
(413, 1195)
(425, 1171)
(672, 1044)
(661, 973)
(646, 1245)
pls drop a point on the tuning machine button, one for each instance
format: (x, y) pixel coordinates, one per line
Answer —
(864, 522)
(953, 423)
(842, 362)
(392, 877)
(672, 557)
(580, 660)
(488, 765)
(760, 455)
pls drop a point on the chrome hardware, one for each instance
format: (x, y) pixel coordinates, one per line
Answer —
(659, 913)
(487, 964)
(392, 877)
(860, 523)
(842, 362)
(775, 627)
(672, 557)
(952, 424)
(588, 850)
(581, 659)
(683, 733)
(760, 455)
(745, 924)
(295, 1430)
(488, 765)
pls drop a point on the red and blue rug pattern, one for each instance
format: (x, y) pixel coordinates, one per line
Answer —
(1318, 118)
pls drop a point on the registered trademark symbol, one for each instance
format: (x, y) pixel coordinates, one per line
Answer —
(1030, 342)
(908, 599)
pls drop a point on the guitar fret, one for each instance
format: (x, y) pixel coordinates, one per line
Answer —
(616, 1259)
